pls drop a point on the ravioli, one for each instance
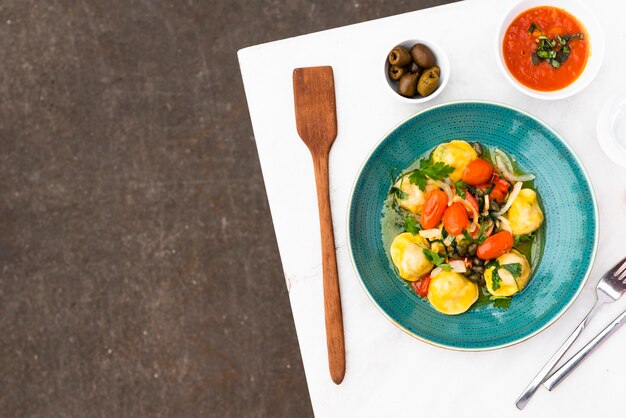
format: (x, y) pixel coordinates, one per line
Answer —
(525, 215)
(407, 254)
(509, 285)
(451, 293)
(414, 200)
(457, 154)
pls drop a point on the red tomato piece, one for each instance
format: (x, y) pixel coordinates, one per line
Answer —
(472, 201)
(421, 286)
(495, 246)
(434, 206)
(477, 172)
(455, 219)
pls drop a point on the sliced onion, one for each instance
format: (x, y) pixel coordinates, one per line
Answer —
(508, 174)
(458, 266)
(469, 207)
(512, 197)
(486, 209)
(434, 233)
(472, 228)
(436, 271)
(448, 240)
(504, 224)
(443, 186)
(506, 161)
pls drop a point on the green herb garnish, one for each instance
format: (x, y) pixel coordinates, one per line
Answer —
(429, 170)
(514, 268)
(411, 225)
(460, 187)
(523, 238)
(436, 259)
(553, 51)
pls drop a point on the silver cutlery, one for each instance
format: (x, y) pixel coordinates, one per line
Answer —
(610, 287)
(564, 371)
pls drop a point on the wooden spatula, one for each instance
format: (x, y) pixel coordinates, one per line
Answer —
(316, 120)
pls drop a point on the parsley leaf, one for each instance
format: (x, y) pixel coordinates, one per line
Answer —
(523, 238)
(460, 187)
(436, 259)
(429, 170)
(514, 268)
(411, 225)
(401, 195)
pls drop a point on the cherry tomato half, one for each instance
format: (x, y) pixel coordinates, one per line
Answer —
(455, 219)
(495, 246)
(499, 190)
(421, 287)
(434, 206)
(477, 172)
(472, 201)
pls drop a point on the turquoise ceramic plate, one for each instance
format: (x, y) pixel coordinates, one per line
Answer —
(570, 236)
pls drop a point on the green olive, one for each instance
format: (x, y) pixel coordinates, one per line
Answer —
(408, 84)
(423, 56)
(399, 56)
(396, 73)
(428, 82)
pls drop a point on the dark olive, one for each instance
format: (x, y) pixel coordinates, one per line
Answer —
(479, 192)
(395, 73)
(428, 83)
(477, 261)
(399, 56)
(414, 68)
(407, 85)
(423, 56)
(474, 277)
(478, 148)
(478, 269)
(471, 249)
(494, 206)
(461, 250)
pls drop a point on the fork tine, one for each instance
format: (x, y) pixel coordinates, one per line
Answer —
(619, 269)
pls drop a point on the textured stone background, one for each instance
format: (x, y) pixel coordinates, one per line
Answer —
(139, 271)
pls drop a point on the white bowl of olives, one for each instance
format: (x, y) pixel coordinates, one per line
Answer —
(416, 70)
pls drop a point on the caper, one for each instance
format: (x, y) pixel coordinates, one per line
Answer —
(471, 249)
(423, 56)
(461, 250)
(477, 261)
(407, 85)
(478, 269)
(455, 256)
(494, 206)
(478, 148)
(428, 82)
(493, 213)
(479, 192)
(482, 281)
(474, 277)
(399, 56)
(395, 73)
(467, 272)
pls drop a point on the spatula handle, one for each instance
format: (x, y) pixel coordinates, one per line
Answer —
(332, 297)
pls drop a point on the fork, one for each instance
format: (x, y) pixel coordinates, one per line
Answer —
(609, 289)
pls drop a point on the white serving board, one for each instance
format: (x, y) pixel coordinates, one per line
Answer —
(389, 373)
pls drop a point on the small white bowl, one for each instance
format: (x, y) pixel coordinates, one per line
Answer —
(594, 33)
(441, 61)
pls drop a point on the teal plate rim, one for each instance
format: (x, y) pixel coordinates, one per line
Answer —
(583, 282)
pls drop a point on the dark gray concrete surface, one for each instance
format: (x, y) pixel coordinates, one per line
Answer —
(139, 271)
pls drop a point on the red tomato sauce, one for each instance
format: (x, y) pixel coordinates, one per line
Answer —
(518, 46)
